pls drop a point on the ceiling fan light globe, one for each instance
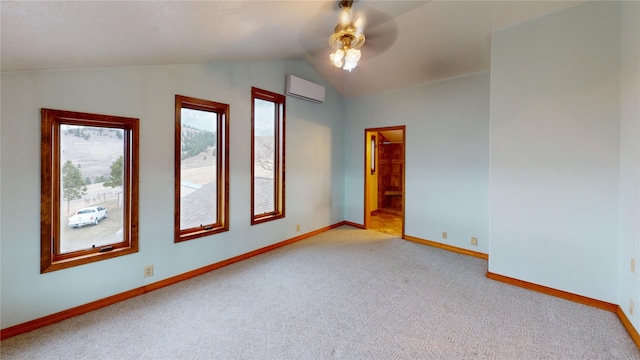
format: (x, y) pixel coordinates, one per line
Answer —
(353, 56)
(336, 58)
(349, 66)
(351, 59)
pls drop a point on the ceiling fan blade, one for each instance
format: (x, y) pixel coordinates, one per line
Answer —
(379, 28)
(379, 39)
(371, 17)
(314, 37)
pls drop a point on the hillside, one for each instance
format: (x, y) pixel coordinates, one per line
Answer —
(92, 150)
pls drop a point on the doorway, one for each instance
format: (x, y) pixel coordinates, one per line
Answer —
(384, 179)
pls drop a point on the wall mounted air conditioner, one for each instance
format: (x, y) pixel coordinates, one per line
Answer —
(304, 89)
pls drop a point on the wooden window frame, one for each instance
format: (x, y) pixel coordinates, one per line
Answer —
(222, 167)
(51, 121)
(279, 164)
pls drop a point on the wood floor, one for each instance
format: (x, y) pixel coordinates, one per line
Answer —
(387, 221)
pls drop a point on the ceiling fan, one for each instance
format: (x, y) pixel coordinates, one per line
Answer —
(347, 38)
(347, 41)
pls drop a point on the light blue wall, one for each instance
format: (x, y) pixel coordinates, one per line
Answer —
(543, 155)
(555, 143)
(630, 160)
(314, 173)
(447, 157)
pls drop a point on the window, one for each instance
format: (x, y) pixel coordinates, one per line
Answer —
(267, 155)
(202, 163)
(89, 188)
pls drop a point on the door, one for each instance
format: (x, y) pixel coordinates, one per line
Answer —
(384, 179)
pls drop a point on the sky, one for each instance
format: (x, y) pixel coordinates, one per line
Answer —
(198, 119)
(205, 120)
(264, 121)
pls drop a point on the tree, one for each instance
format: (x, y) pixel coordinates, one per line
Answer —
(115, 178)
(87, 181)
(264, 155)
(196, 141)
(73, 187)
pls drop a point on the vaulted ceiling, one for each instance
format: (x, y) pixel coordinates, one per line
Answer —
(408, 42)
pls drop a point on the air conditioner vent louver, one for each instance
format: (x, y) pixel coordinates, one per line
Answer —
(304, 89)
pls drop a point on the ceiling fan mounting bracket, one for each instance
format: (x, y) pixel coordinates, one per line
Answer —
(345, 4)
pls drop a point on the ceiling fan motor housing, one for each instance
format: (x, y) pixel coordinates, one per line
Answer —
(346, 35)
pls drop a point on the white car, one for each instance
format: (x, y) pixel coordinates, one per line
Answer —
(89, 215)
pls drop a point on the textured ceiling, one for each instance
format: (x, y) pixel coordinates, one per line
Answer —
(408, 42)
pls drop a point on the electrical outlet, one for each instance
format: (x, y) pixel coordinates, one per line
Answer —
(633, 265)
(298, 228)
(474, 241)
(444, 234)
(148, 270)
(631, 307)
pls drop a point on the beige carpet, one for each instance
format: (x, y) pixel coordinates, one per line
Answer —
(345, 294)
